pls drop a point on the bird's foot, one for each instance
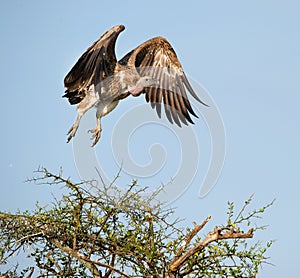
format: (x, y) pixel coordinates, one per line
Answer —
(96, 133)
(72, 132)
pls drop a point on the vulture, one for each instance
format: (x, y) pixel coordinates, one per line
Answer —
(99, 80)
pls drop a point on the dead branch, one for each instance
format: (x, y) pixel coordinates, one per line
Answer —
(212, 236)
(190, 236)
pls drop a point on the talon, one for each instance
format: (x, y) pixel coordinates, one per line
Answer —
(96, 134)
(70, 137)
(72, 132)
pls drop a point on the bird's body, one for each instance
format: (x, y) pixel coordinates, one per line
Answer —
(99, 80)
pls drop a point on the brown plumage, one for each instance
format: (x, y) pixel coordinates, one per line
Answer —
(99, 80)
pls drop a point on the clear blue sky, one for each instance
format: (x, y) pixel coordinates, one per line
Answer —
(245, 53)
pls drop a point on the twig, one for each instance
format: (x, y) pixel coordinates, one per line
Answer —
(30, 273)
(24, 238)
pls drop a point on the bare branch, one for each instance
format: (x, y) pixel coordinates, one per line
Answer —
(212, 236)
(190, 236)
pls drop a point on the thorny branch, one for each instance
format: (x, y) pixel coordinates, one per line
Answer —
(112, 232)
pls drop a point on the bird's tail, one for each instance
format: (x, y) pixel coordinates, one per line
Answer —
(74, 97)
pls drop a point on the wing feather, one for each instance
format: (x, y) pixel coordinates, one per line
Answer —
(159, 96)
(167, 105)
(156, 58)
(95, 64)
(185, 114)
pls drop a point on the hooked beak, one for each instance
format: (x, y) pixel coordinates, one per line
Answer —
(135, 90)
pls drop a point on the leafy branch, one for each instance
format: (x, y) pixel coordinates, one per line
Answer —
(95, 231)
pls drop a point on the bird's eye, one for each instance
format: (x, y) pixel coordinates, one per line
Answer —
(147, 79)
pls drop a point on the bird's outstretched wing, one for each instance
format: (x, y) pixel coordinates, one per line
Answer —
(97, 63)
(156, 58)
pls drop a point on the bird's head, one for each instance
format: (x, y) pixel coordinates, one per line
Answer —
(143, 82)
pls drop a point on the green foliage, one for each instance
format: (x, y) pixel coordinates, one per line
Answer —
(102, 231)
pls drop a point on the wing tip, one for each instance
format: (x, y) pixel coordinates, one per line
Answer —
(119, 28)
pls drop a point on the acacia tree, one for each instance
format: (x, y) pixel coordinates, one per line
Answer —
(102, 231)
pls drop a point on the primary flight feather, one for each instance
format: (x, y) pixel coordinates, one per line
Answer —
(99, 80)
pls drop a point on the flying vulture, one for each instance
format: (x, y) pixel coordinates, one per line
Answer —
(99, 80)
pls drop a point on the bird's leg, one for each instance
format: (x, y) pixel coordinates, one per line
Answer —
(74, 127)
(82, 108)
(96, 132)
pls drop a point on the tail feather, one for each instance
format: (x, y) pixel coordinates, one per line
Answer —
(74, 97)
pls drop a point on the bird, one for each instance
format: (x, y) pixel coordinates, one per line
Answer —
(152, 69)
